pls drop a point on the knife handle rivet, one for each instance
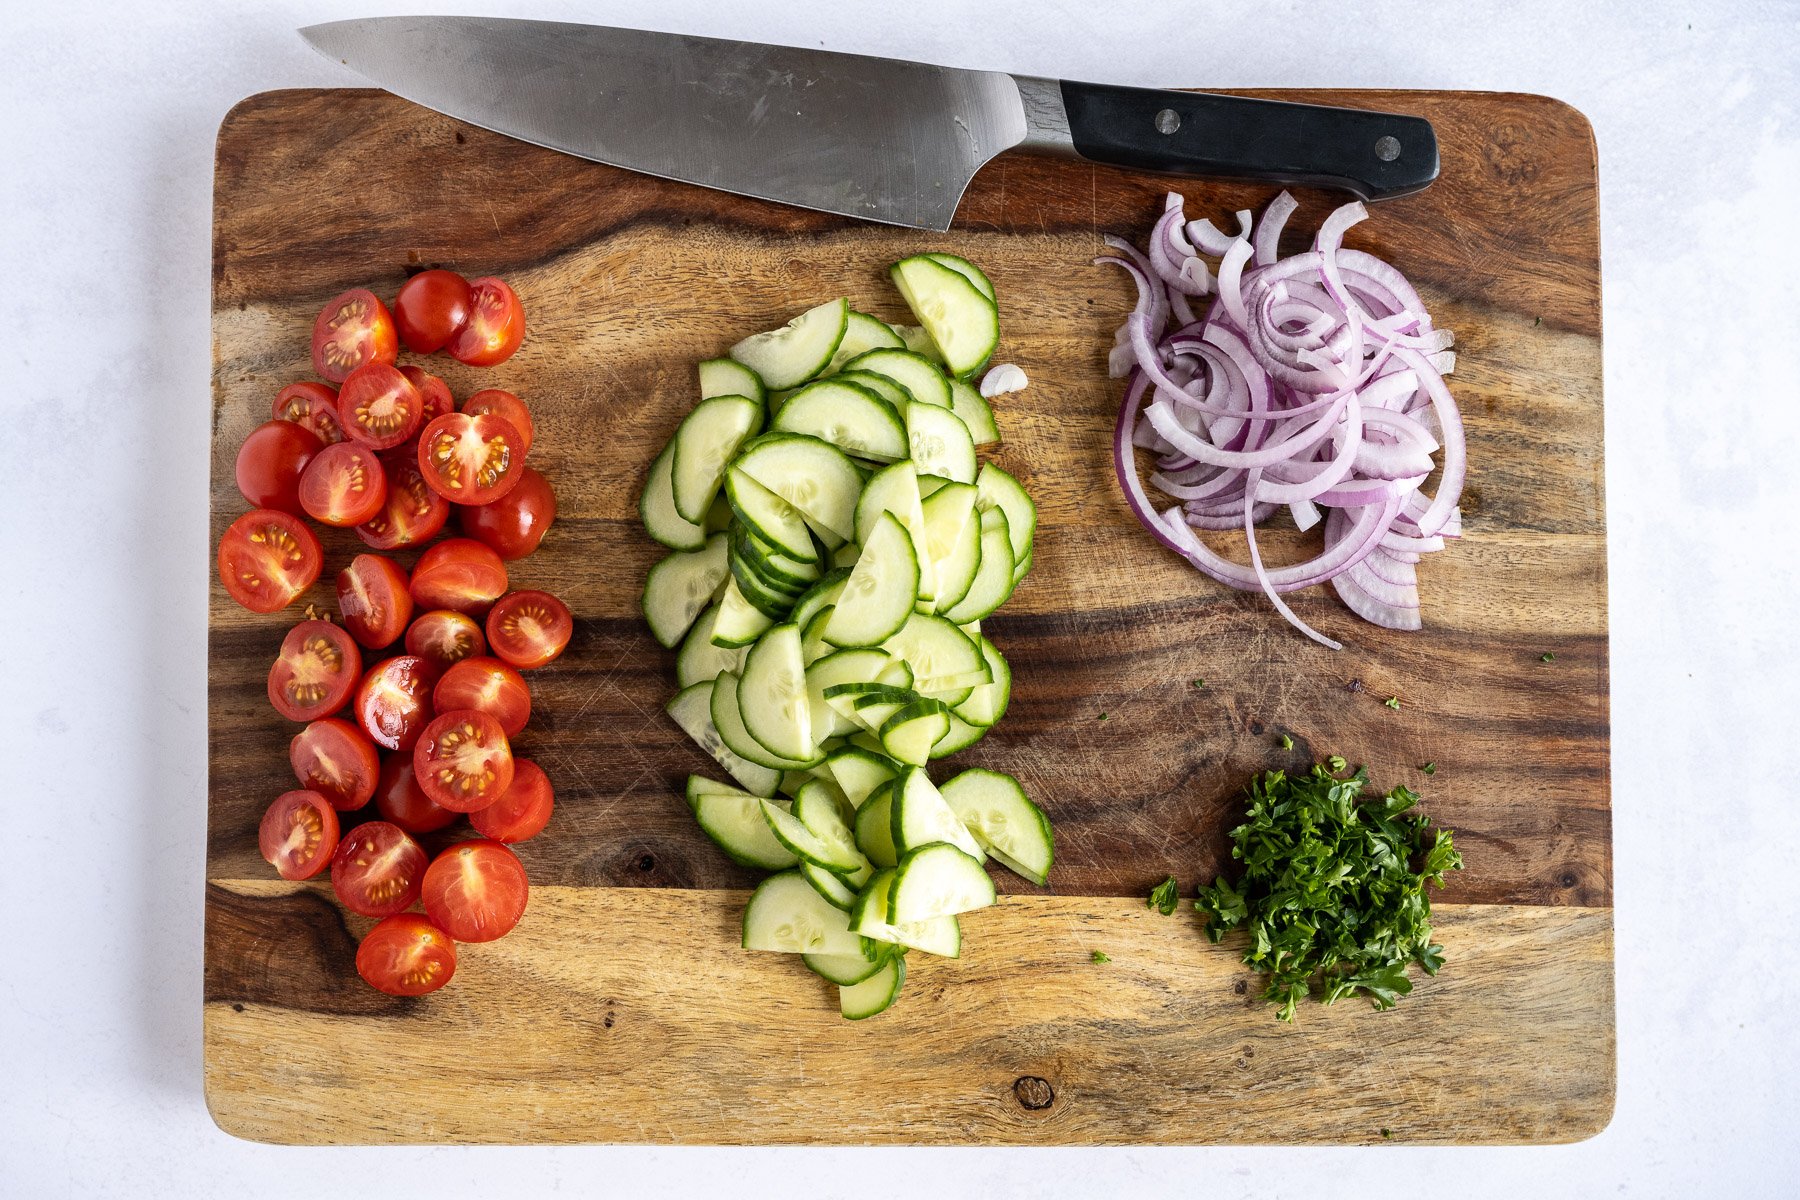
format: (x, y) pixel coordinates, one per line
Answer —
(1168, 121)
(1387, 149)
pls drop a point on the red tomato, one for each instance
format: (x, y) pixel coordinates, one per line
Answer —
(485, 685)
(267, 558)
(476, 891)
(299, 834)
(525, 809)
(443, 637)
(400, 799)
(373, 600)
(393, 705)
(460, 574)
(270, 461)
(505, 404)
(315, 672)
(379, 407)
(433, 391)
(471, 460)
(463, 760)
(430, 308)
(333, 758)
(515, 523)
(412, 512)
(495, 327)
(343, 485)
(529, 629)
(378, 869)
(313, 405)
(406, 955)
(353, 329)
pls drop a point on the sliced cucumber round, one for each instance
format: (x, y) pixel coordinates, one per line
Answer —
(967, 270)
(859, 772)
(847, 415)
(987, 702)
(993, 576)
(874, 995)
(940, 443)
(875, 827)
(692, 710)
(879, 594)
(726, 713)
(680, 587)
(921, 377)
(657, 507)
(707, 440)
(977, 416)
(739, 622)
(914, 338)
(964, 324)
(727, 377)
(736, 823)
(837, 855)
(870, 918)
(940, 655)
(769, 517)
(937, 880)
(910, 733)
(921, 816)
(787, 916)
(994, 808)
(895, 489)
(881, 385)
(820, 595)
(772, 696)
(799, 350)
(698, 659)
(839, 666)
(994, 488)
(962, 735)
(813, 475)
(862, 333)
(845, 970)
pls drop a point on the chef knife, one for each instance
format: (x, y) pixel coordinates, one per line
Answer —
(875, 138)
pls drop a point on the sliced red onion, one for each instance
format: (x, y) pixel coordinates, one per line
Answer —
(1314, 381)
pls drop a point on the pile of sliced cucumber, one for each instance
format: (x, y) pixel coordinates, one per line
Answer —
(836, 544)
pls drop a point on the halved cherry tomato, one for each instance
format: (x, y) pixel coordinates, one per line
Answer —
(495, 327)
(476, 891)
(267, 558)
(529, 629)
(430, 308)
(379, 406)
(400, 799)
(315, 672)
(312, 405)
(443, 637)
(373, 600)
(378, 869)
(270, 461)
(298, 834)
(433, 391)
(471, 460)
(525, 809)
(343, 485)
(411, 513)
(463, 760)
(460, 574)
(406, 955)
(393, 705)
(333, 758)
(353, 329)
(485, 685)
(503, 403)
(515, 523)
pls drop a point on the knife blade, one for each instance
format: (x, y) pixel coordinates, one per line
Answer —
(875, 138)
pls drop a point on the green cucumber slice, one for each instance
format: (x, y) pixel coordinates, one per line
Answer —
(700, 785)
(786, 916)
(870, 918)
(820, 595)
(736, 823)
(680, 587)
(859, 772)
(987, 703)
(691, 709)
(964, 324)
(967, 270)
(962, 735)
(861, 333)
(769, 517)
(814, 476)
(875, 826)
(910, 733)
(993, 577)
(977, 416)
(739, 622)
(772, 696)
(940, 443)
(840, 666)
(656, 507)
(994, 488)
(921, 378)
(921, 816)
(799, 350)
(881, 385)
(936, 880)
(726, 377)
(879, 593)
(835, 855)
(936, 650)
(698, 659)
(895, 489)
(727, 714)
(996, 810)
(849, 416)
(706, 441)
(874, 995)
(845, 970)
(718, 517)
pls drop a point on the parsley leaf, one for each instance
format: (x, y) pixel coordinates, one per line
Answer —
(1287, 743)
(1332, 901)
(1162, 897)
(1337, 763)
(1429, 768)
(1100, 956)
(1393, 702)
(1547, 656)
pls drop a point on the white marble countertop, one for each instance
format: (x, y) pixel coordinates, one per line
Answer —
(105, 206)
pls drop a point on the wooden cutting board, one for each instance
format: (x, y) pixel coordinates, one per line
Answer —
(621, 1009)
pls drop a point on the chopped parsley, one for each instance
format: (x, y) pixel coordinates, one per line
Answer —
(1103, 716)
(1393, 702)
(1199, 683)
(1337, 763)
(1162, 897)
(1100, 956)
(1547, 657)
(1329, 897)
(1287, 743)
(1429, 768)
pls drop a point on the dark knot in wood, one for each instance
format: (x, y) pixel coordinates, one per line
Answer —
(1033, 1093)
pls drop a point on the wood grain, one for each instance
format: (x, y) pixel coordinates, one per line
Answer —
(629, 280)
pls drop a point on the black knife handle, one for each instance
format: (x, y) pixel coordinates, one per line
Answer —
(1373, 154)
